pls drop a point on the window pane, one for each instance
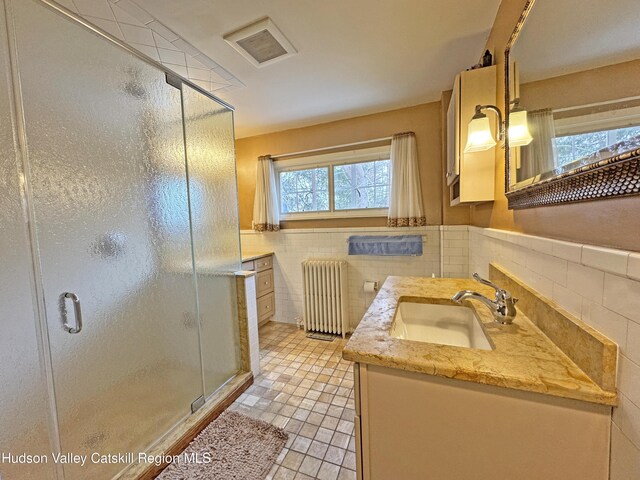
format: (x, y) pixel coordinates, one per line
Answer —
(382, 197)
(304, 190)
(342, 199)
(570, 148)
(627, 134)
(342, 178)
(361, 185)
(288, 203)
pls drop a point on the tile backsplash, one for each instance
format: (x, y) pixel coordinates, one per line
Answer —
(601, 286)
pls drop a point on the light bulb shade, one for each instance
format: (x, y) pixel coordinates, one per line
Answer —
(519, 135)
(479, 136)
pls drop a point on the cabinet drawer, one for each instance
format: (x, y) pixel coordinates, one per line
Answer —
(264, 282)
(248, 266)
(266, 306)
(263, 263)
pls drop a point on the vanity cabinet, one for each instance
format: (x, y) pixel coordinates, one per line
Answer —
(265, 297)
(416, 426)
(470, 176)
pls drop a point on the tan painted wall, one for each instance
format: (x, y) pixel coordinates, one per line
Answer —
(612, 82)
(424, 120)
(612, 222)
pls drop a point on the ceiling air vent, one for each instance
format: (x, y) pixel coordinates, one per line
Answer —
(262, 43)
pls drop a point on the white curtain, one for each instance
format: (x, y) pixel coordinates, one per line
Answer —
(266, 215)
(538, 156)
(405, 198)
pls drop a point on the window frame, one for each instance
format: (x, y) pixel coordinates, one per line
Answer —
(331, 160)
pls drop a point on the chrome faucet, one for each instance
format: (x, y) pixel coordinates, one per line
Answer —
(503, 307)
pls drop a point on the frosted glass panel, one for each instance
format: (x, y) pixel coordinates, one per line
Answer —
(216, 240)
(106, 152)
(23, 416)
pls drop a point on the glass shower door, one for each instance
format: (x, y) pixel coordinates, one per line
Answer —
(24, 419)
(213, 192)
(109, 195)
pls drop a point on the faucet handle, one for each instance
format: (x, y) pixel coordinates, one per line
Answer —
(489, 283)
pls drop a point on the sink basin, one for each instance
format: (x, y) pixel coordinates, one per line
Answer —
(444, 324)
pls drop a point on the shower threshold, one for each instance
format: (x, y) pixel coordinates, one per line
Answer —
(176, 440)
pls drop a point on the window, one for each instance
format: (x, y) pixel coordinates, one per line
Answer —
(604, 130)
(304, 190)
(345, 184)
(361, 185)
(570, 148)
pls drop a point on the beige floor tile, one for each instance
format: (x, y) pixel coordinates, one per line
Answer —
(335, 455)
(328, 471)
(306, 388)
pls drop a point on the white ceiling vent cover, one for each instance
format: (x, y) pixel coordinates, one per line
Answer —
(262, 43)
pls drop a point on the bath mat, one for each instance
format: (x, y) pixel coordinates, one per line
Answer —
(239, 447)
(326, 337)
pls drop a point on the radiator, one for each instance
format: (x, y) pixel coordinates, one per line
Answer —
(325, 296)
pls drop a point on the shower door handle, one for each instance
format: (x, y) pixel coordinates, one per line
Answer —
(77, 312)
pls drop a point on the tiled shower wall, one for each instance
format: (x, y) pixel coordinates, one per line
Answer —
(600, 286)
(292, 246)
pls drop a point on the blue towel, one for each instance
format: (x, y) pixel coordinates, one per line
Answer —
(386, 245)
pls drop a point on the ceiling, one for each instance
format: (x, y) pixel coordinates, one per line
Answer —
(354, 56)
(565, 37)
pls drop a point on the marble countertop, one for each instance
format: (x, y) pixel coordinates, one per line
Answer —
(248, 256)
(523, 358)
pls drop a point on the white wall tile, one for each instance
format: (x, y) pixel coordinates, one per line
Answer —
(587, 281)
(633, 268)
(607, 259)
(292, 247)
(133, 34)
(173, 57)
(627, 417)
(95, 8)
(553, 268)
(542, 245)
(567, 250)
(567, 299)
(632, 349)
(609, 323)
(622, 295)
(629, 379)
(108, 26)
(135, 11)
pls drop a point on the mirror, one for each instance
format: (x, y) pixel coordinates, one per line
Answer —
(576, 70)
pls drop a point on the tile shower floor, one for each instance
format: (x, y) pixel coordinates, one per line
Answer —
(306, 388)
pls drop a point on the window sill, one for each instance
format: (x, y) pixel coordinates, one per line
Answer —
(363, 213)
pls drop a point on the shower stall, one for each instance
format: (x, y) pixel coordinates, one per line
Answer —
(119, 237)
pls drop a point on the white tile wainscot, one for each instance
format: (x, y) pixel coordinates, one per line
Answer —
(292, 246)
(455, 251)
(599, 285)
